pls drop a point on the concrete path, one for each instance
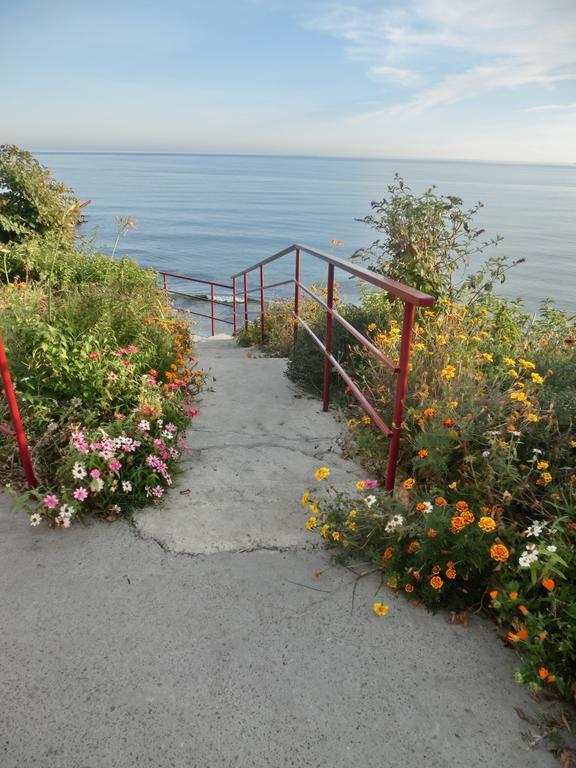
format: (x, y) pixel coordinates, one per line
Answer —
(167, 644)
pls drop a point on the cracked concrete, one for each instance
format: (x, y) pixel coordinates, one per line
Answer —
(254, 446)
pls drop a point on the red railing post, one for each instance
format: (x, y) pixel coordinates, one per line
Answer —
(328, 342)
(262, 328)
(234, 302)
(212, 306)
(296, 293)
(401, 387)
(16, 420)
(245, 301)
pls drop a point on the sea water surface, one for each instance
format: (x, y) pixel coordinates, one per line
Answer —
(213, 215)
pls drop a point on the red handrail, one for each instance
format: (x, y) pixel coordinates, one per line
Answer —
(18, 431)
(212, 283)
(411, 299)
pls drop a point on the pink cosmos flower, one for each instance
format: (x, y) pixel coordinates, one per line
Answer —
(157, 491)
(94, 356)
(191, 411)
(80, 494)
(50, 501)
(94, 473)
(115, 465)
(119, 416)
(370, 484)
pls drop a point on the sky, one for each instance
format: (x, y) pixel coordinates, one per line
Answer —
(490, 80)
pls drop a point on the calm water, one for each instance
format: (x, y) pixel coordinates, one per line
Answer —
(211, 216)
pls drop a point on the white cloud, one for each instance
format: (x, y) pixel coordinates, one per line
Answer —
(551, 107)
(460, 48)
(394, 74)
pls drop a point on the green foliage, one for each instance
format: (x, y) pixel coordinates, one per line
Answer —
(31, 201)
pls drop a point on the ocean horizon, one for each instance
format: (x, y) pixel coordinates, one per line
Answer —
(213, 214)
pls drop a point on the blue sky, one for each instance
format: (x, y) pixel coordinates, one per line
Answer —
(478, 79)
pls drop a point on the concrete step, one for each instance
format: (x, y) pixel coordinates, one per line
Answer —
(254, 449)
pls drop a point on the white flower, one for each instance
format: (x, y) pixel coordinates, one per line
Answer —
(507, 496)
(535, 529)
(527, 558)
(76, 402)
(96, 484)
(63, 522)
(35, 519)
(394, 523)
(126, 486)
(536, 450)
(427, 508)
(485, 454)
(115, 509)
(167, 435)
(67, 510)
(516, 434)
(551, 548)
(370, 500)
(78, 471)
(144, 425)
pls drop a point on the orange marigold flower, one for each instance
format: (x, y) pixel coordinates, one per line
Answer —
(551, 678)
(436, 570)
(543, 673)
(548, 584)
(542, 635)
(494, 594)
(523, 610)
(513, 595)
(457, 524)
(486, 524)
(436, 582)
(448, 422)
(512, 636)
(499, 553)
(467, 516)
(388, 552)
(409, 588)
(429, 412)
(423, 453)
(409, 483)
(412, 547)
(451, 573)
(461, 506)
(523, 634)
(431, 533)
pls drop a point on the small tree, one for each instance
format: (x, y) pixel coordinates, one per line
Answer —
(32, 202)
(427, 242)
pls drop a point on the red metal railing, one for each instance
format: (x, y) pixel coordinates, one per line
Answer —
(18, 429)
(411, 299)
(212, 299)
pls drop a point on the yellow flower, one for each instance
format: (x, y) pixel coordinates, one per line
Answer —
(526, 364)
(532, 417)
(335, 535)
(546, 478)
(536, 378)
(513, 373)
(419, 346)
(360, 485)
(520, 396)
(572, 443)
(351, 525)
(366, 420)
(509, 361)
(380, 609)
(476, 338)
(313, 508)
(305, 498)
(487, 356)
(453, 485)
(311, 523)
(409, 483)
(448, 373)
(542, 465)
(352, 513)
(324, 530)
(453, 403)
(321, 473)
(372, 327)
(441, 339)
(486, 524)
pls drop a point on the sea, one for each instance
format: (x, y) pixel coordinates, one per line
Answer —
(210, 216)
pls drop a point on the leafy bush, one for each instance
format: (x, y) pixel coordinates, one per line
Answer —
(95, 350)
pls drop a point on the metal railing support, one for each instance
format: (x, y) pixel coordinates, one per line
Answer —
(18, 432)
(296, 294)
(262, 327)
(234, 303)
(328, 342)
(245, 301)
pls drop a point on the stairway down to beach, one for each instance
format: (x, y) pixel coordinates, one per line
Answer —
(253, 450)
